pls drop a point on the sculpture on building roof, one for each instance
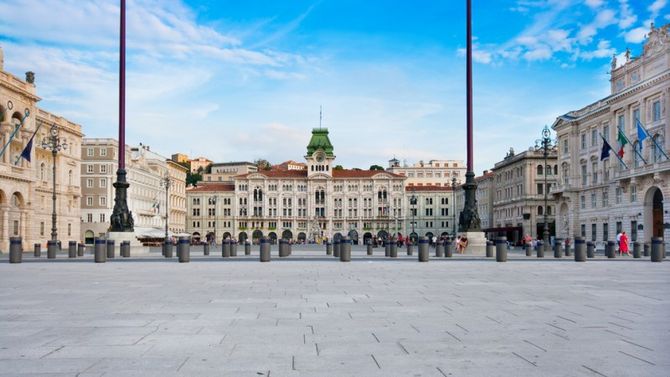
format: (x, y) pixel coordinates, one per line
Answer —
(657, 39)
(613, 62)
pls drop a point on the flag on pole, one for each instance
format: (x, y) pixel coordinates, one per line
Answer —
(641, 132)
(605, 152)
(623, 140)
(29, 147)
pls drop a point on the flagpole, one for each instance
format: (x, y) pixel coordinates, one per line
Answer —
(616, 154)
(652, 139)
(634, 149)
(16, 129)
(18, 158)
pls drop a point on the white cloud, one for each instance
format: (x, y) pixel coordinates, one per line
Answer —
(636, 35)
(656, 7)
(603, 19)
(541, 52)
(604, 50)
(594, 3)
(626, 18)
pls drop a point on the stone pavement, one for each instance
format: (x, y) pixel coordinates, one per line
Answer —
(316, 316)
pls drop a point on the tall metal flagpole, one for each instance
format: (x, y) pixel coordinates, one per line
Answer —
(469, 218)
(122, 219)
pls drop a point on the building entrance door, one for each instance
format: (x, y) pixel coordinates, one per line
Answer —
(657, 214)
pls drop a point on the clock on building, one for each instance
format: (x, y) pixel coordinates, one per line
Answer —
(319, 156)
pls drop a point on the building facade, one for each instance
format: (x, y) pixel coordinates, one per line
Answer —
(199, 164)
(599, 197)
(434, 173)
(225, 171)
(432, 211)
(522, 181)
(26, 187)
(146, 195)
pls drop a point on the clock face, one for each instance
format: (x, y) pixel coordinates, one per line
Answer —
(319, 157)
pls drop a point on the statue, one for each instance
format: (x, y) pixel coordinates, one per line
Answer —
(613, 62)
(627, 54)
(30, 77)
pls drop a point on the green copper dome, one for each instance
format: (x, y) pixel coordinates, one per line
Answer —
(320, 140)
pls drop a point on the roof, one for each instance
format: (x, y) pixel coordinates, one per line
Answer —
(277, 174)
(350, 173)
(232, 163)
(212, 187)
(320, 140)
(337, 174)
(427, 188)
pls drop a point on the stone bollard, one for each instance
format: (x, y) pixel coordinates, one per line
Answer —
(233, 248)
(81, 250)
(501, 249)
(337, 248)
(37, 251)
(657, 249)
(410, 248)
(100, 250)
(449, 249)
(265, 250)
(72, 249)
(345, 250)
(590, 249)
(110, 249)
(394, 249)
(52, 249)
(568, 253)
(637, 248)
(329, 248)
(283, 249)
(369, 248)
(610, 249)
(15, 250)
(387, 248)
(247, 248)
(225, 248)
(125, 249)
(645, 249)
(423, 249)
(167, 249)
(540, 249)
(489, 249)
(558, 247)
(205, 249)
(184, 250)
(580, 249)
(439, 249)
(529, 252)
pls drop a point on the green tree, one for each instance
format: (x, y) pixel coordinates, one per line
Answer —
(262, 164)
(192, 179)
(376, 167)
(338, 167)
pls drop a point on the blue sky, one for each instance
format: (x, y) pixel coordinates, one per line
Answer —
(240, 80)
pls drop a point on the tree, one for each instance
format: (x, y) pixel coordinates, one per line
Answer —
(192, 179)
(338, 167)
(262, 164)
(376, 167)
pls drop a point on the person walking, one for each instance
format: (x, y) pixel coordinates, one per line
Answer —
(618, 241)
(623, 244)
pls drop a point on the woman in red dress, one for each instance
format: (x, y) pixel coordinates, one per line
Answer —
(623, 244)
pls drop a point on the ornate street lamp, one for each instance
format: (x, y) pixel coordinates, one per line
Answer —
(55, 144)
(453, 204)
(412, 201)
(545, 143)
(166, 183)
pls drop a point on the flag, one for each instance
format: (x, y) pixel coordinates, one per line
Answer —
(29, 147)
(621, 138)
(605, 152)
(641, 133)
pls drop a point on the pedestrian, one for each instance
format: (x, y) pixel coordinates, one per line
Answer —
(618, 241)
(623, 244)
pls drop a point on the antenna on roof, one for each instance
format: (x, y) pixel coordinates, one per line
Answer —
(320, 115)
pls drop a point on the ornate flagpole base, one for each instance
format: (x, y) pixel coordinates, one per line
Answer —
(122, 218)
(469, 224)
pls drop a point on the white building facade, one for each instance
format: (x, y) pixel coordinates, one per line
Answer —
(597, 198)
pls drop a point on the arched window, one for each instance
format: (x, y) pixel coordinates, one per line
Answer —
(566, 173)
(549, 210)
(539, 170)
(555, 169)
(42, 177)
(539, 210)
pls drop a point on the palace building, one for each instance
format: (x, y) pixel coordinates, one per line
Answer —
(599, 196)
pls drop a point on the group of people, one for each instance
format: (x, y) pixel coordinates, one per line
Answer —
(621, 240)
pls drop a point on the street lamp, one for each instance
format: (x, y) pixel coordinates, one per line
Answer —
(453, 205)
(166, 183)
(544, 144)
(55, 144)
(412, 201)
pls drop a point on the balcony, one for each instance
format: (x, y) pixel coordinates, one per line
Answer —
(633, 172)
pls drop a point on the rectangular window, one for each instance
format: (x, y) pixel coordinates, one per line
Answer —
(594, 137)
(89, 152)
(583, 233)
(69, 230)
(606, 198)
(617, 195)
(89, 182)
(103, 200)
(89, 218)
(606, 231)
(656, 111)
(102, 218)
(593, 200)
(606, 132)
(594, 172)
(633, 231)
(583, 138)
(593, 232)
(540, 189)
(565, 146)
(103, 152)
(636, 116)
(619, 227)
(89, 201)
(633, 193)
(103, 169)
(582, 201)
(584, 177)
(89, 169)
(103, 182)
(16, 227)
(42, 228)
(621, 122)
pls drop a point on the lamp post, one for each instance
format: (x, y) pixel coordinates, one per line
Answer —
(453, 205)
(55, 144)
(412, 201)
(166, 183)
(544, 144)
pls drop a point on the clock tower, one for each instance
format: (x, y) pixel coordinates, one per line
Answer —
(319, 153)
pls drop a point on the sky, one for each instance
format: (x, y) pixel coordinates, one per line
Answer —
(242, 80)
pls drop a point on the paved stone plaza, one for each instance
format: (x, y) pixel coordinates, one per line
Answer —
(311, 315)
